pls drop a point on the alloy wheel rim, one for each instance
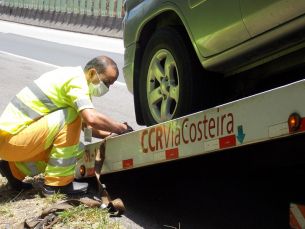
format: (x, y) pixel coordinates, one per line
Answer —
(163, 86)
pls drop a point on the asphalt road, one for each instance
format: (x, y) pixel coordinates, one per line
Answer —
(54, 53)
(242, 188)
(58, 48)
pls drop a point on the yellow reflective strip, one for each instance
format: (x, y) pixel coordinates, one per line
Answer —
(63, 118)
(41, 165)
(30, 99)
(42, 97)
(25, 109)
(13, 120)
(60, 162)
(64, 152)
(81, 147)
(32, 168)
(81, 150)
(54, 124)
(81, 104)
(22, 166)
(72, 114)
(59, 171)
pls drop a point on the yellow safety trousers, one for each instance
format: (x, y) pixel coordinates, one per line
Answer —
(49, 144)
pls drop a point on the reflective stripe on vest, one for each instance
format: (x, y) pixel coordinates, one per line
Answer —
(81, 147)
(42, 97)
(63, 118)
(32, 168)
(81, 150)
(62, 162)
(81, 103)
(25, 109)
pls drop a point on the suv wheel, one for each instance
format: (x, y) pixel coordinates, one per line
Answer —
(172, 81)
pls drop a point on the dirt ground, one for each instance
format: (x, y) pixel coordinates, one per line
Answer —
(15, 207)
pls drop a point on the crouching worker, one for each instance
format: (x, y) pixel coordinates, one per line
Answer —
(40, 128)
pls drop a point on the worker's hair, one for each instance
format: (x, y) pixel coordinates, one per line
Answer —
(100, 64)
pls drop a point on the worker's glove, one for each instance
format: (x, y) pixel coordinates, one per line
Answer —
(129, 129)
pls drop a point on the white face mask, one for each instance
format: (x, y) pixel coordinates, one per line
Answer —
(99, 89)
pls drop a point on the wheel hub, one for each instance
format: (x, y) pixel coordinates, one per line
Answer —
(162, 86)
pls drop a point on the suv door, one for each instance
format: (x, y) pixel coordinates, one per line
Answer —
(216, 25)
(262, 15)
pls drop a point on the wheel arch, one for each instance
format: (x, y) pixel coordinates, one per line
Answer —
(165, 18)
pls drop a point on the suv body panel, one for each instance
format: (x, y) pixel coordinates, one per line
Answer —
(215, 25)
(264, 48)
(241, 35)
(261, 16)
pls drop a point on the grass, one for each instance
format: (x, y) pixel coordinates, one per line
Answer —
(81, 216)
(52, 199)
(86, 217)
(6, 211)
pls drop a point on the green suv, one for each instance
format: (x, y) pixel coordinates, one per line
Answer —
(181, 55)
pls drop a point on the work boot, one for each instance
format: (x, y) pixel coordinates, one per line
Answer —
(73, 188)
(12, 181)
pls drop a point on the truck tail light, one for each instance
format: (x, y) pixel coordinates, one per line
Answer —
(294, 121)
(82, 170)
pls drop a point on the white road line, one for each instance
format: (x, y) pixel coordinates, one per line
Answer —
(37, 61)
(40, 62)
(107, 44)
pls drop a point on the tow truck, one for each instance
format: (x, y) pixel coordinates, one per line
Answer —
(271, 115)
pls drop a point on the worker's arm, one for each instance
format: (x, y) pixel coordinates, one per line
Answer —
(95, 132)
(101, 122)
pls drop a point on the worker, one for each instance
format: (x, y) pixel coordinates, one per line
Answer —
(40, 128)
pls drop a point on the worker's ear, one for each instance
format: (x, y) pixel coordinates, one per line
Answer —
(91, 73)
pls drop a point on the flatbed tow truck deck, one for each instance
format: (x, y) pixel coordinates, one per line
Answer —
(258, 118)
(276, 117)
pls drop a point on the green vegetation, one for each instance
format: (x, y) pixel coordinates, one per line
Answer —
(86, 217)
(52, 199)
(5, 211)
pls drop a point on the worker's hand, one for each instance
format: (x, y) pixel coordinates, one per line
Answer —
(100, 121)
(128, 130)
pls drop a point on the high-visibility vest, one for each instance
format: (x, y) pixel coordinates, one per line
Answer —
(57, 89)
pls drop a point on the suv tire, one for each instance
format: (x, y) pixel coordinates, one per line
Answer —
(172, 81)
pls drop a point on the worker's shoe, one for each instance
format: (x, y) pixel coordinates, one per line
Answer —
(73, 188)
(12, 181)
